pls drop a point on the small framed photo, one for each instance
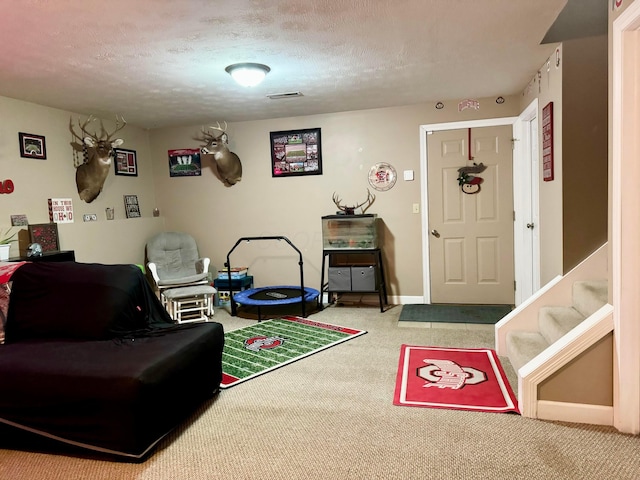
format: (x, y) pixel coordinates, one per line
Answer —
(19, 220)
(32, 146)
(296, 152)
(46, 234)
(125, 162)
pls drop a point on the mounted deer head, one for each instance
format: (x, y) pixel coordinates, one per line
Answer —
(97, 154)
(351, 210)
(227, 164)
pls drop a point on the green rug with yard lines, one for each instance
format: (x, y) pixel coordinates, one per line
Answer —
(265, 346)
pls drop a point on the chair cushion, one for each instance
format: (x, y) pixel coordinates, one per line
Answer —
(185, 292)
(182, 280)
(175, 255)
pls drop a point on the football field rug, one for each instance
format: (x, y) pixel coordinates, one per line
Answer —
(454, 378)
(265, 346)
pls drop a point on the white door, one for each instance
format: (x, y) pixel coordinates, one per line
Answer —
(526, 223)
(471, 234)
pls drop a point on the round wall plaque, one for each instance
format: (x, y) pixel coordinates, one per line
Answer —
(382, 176)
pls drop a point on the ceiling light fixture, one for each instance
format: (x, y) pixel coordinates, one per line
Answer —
(248, 74)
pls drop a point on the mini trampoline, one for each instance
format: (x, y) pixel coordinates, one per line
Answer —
(272, 295)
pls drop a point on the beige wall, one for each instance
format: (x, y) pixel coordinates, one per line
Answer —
(117, 241)
(261, 205)
(548, 88)
(573, 206)
(584, 146)
(586, 379)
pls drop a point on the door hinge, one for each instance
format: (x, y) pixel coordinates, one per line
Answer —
(514, 286)
(514, 215)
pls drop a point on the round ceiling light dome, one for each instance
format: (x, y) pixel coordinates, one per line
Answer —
(248, 74)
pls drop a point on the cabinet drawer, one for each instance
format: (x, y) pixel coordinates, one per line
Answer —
(339, 279)
(363, 279)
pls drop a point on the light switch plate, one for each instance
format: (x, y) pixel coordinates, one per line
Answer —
(408, 175)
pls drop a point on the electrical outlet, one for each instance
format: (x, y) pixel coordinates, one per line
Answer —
(416, 208)
(89, 217)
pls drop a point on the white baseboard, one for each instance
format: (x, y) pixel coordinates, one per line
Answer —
(575, 412)
(405, 300)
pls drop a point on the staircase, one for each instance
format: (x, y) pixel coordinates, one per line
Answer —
(555, 322)
(561, 325)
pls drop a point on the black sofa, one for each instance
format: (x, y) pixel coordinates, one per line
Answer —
(91, 358)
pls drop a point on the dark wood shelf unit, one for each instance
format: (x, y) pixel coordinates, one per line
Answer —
(355, 260)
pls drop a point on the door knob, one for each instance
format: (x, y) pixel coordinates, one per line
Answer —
(435, 233)
(530, 225)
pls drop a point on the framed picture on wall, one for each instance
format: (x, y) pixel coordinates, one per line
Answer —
(125, 162)
(32, 146)
(185, 162)
(46, 234)
(131, 206)
(296, 152)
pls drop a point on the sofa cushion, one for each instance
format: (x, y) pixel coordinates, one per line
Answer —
(81, 300)
(116, 396)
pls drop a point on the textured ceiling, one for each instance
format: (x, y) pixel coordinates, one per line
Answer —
(161, 62)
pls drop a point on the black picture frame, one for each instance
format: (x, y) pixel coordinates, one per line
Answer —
(46, 234)
(125, 162)
(296, 153)
(32, 146)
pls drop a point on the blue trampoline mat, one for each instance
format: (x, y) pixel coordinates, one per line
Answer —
(274, 295)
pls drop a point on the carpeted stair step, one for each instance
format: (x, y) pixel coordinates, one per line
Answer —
(524, 346)
(555, 322)
(589, 296)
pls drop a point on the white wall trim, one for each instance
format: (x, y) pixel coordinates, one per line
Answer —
(575, 412)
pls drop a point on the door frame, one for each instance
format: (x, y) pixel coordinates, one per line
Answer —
(624, 224)
(424, 191)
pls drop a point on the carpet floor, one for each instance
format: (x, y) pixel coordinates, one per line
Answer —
(332, 416)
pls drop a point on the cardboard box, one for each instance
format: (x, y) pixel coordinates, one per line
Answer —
(236, 272)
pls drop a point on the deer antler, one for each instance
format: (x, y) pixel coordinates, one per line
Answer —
(351, 210)
(120, 124)
(82, 126)
(219, 128)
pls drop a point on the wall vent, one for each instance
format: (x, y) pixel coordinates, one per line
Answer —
(278, 96)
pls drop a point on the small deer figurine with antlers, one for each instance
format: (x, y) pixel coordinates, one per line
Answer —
(227, 163)
(97, 154)
(351, 210)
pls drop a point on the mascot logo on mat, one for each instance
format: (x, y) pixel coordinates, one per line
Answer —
(448, 374)
(260, 342)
